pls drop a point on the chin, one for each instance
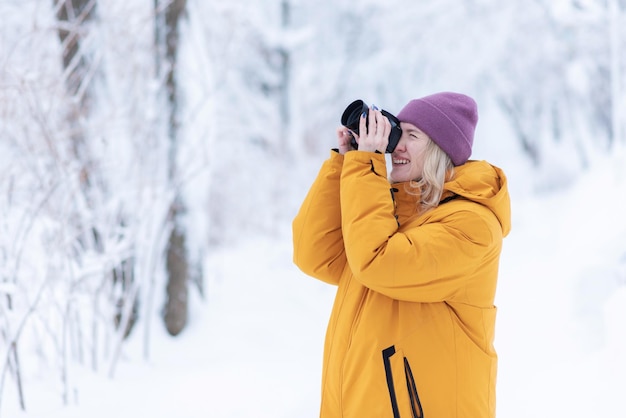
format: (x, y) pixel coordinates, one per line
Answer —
(396, 179)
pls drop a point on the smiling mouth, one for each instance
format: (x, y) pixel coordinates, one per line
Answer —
(400, 161)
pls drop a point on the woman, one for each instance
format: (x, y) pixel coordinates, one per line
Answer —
(412, 327)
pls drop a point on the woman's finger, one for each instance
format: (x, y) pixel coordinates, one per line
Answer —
(363, 125)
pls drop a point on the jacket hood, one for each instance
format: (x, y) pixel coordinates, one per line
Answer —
(485, 184)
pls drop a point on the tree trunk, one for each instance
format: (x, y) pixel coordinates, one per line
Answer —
(71, 14)
(168, 15)
(175, 315)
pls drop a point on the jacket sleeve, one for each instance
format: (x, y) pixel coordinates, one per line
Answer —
(428, 263)
(317, 237)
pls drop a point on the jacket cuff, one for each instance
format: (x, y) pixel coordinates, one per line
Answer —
(374, 161)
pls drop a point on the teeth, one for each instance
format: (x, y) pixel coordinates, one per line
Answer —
(399, 161)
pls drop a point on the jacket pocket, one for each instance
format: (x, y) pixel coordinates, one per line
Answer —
(405, 401)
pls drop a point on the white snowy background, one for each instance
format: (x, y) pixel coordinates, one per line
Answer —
(262, 86)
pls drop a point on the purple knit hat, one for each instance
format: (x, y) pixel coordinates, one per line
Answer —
(449, 119)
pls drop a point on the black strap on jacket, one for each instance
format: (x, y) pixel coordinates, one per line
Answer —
(449, 198)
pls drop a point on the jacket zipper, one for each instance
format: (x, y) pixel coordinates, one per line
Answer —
(416, 406)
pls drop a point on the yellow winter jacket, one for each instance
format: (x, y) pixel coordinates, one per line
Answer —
(412, 326)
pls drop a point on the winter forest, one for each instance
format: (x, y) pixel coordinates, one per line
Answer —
(154, 152)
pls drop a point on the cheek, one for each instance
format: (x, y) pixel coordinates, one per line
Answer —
(416, 169)
(417, 154)
(417, 163)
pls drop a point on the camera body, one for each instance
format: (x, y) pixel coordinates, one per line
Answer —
(351, 118)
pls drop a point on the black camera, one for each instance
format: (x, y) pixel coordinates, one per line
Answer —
(352, 116)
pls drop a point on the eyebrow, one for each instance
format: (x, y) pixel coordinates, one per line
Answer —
(417, 131)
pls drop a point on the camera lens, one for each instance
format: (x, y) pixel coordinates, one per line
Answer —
(352, 115)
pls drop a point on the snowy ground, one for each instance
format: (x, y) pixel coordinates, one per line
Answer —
(254, 347)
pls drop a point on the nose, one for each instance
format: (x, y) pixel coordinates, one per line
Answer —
(402, 142)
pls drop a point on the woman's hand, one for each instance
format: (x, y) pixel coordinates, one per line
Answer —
(344, 136)
(375, 132)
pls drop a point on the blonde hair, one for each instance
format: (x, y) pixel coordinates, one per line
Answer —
(438, 168)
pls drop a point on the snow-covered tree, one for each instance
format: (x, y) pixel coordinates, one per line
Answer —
(137, 136)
